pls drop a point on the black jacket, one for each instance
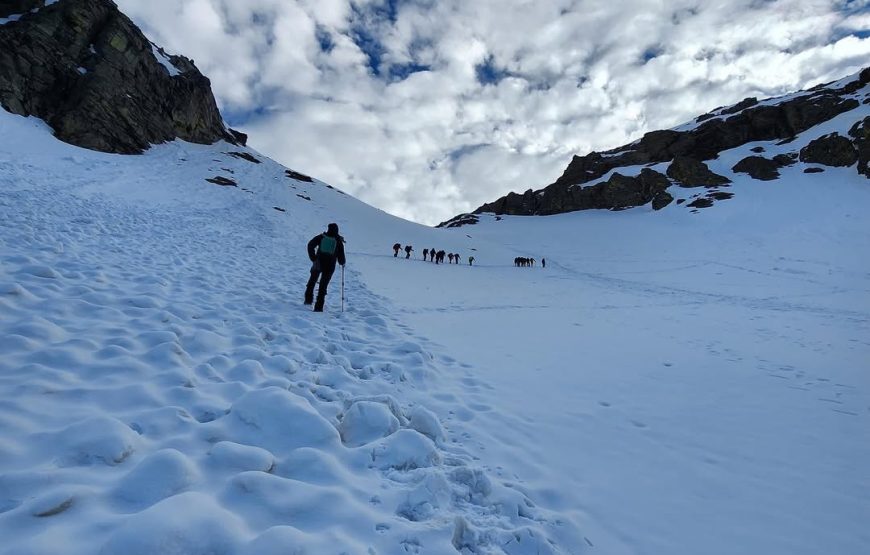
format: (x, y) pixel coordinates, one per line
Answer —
(327, 261)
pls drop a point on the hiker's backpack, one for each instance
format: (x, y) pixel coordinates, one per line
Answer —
(327, 245)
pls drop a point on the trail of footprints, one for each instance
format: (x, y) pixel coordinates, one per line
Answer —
(158, 387)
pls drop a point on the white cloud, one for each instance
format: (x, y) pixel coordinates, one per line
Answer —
(575, 76)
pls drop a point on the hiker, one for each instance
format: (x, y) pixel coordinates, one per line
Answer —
(450, 257)
(471, 261)
(456, 258)
(425, 254)
(408, 250)
(543, 263)
(323, 250)
(441, 255)
(396, 248)
(432, 255)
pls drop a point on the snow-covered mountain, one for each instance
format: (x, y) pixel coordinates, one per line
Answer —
(671, 382)
(751, 138)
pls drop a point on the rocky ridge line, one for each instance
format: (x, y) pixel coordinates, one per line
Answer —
(686, 150)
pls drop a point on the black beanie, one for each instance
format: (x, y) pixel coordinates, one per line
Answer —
(332, 230)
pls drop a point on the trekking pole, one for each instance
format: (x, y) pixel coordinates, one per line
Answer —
(342, 287)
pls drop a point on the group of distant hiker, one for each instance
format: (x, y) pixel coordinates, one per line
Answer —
(432, 255)
(522, 262)
(327, 249)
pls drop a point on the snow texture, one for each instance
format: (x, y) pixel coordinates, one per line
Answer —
(672, 382)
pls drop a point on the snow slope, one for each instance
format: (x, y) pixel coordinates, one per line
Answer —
(162, 390)
(672, 382)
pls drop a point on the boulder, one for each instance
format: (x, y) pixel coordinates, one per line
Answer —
(783, 160)
(689, 172)
(830, 150)
(758, 167)
(661, 200)
(89, 73)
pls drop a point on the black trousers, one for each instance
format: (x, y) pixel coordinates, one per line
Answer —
(325, 275)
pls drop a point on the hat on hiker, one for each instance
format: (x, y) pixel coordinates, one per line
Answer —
(332, 229)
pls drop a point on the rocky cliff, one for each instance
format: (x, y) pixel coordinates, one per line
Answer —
(681, 154)
(86, 70)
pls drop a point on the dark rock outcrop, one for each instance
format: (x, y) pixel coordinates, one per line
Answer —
(661, 200)
(298, 176)
(223, 181)
(618, 192)
(245, 156)
(860, 132)
(460, 220)
(689, 172)
(784, 160)
(89, 72)
(701, 202)
(830, 150)
(758, 167)
(240, 138)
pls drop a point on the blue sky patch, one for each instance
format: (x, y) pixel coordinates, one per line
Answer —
(488, 73)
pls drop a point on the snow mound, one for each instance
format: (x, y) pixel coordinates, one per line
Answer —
(189, 523)
(405, 450)
(365, 422)
(95, 440)
(158, 476)
(279, 421)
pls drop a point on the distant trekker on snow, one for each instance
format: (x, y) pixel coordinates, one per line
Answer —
(396, 248)
(425, 254)
(543, 263)
(432, 254)
(408, 250)
(323, 250)
(471, 261)
(450, 257)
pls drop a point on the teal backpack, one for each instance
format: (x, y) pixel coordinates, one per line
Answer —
(327, 245)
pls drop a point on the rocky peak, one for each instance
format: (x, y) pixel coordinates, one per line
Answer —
(86, 70)
(685, 149)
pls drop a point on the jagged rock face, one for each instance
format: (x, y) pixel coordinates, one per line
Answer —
(830, 150)
(89, 72)
(722, 129)
(689, 172)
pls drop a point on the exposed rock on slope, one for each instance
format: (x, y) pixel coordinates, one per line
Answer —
(89, 72)
(685, 150)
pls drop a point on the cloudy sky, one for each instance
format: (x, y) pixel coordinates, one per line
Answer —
(429, 108)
